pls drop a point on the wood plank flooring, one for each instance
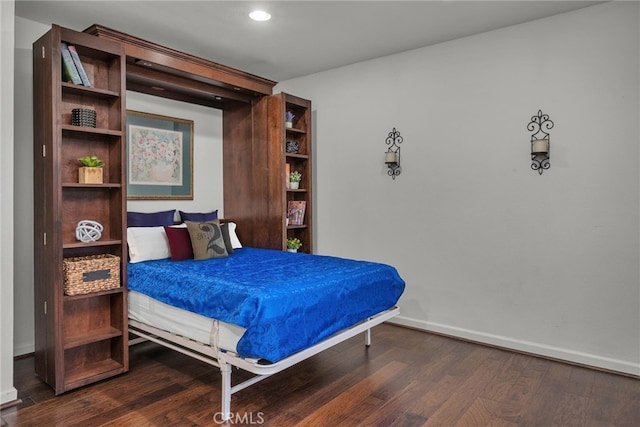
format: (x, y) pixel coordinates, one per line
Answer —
(406, 378)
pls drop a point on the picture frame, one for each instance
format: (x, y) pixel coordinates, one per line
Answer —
(159, 157)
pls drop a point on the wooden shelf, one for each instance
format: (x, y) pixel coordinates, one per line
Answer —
(104, 242)
(296, 130)
(90, 131)
(295, 227)
(297, 156)
(92, 336)
(92, 294)
(104, 185)
(92, 372)
(89, 90)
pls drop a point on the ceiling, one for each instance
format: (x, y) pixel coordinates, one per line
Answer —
(303, 37)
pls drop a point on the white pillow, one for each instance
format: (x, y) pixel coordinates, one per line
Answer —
(147, 243)
(235, 242)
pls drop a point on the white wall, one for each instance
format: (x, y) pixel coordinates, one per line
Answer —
(207, 171)
(490, 250)
(7, 392)
(26, 32)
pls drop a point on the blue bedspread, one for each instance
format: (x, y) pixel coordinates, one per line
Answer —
(286, 301)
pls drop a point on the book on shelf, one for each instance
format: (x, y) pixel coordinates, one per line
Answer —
(295, 212)
(69, 70)
(79, 66)
(287, 171)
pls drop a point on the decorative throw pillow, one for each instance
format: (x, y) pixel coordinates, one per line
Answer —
(147, 243)
(206, 240)
(235, 242)
(179, 243)
(198, 216)
(150, 219)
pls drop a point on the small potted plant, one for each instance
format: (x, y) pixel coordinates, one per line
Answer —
(91, 170)
(294, 180)
(288, 119)
(293, 244)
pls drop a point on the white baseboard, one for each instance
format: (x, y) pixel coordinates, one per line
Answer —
(22, 349)
(8, 395)
(568, 355)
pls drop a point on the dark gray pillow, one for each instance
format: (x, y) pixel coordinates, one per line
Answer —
(206, 240)
(227, 238)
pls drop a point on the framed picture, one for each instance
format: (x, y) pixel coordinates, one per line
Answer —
(159, 157)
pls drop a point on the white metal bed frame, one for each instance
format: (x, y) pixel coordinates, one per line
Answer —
(224, 360)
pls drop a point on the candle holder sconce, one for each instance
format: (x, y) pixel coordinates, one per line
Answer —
(392, 156)
(540, 147)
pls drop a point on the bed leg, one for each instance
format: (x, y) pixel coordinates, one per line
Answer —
(367, 337)
(225, 370)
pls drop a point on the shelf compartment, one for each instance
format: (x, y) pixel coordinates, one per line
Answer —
(78, 143)
(93, 362)
(101, 204)
(96, 335)
(92, 372)
(106, 103)
(97, 317)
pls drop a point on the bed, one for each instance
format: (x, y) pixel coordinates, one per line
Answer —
(260, 310)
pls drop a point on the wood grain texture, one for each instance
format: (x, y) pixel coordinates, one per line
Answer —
(406, 378)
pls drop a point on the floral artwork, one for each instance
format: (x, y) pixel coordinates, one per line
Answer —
(159, 157)
(155, 156)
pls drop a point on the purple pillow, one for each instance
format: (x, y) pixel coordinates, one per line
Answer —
(198, 216)
(151, 219)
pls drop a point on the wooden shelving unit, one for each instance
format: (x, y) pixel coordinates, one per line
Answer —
(255, 179)
(79, 339)
(300, 134)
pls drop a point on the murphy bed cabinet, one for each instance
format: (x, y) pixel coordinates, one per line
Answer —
(256, 190)
(79, 338)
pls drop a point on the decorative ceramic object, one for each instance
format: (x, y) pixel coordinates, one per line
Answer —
(292, 147)
(88, 231)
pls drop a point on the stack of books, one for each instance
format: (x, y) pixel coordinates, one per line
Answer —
(72, 69)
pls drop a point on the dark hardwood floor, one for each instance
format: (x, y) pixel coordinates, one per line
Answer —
(406, 378)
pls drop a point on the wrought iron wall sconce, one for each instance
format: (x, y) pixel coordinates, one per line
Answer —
(540, 146)
(392, 156)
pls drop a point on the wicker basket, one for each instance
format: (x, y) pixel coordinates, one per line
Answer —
(83, 275)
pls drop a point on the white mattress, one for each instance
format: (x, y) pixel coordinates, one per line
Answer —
(194, 326)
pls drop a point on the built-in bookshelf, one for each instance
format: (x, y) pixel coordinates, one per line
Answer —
(294, 140)
(79, 338)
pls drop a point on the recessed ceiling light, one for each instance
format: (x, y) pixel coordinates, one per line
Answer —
(260, 15)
